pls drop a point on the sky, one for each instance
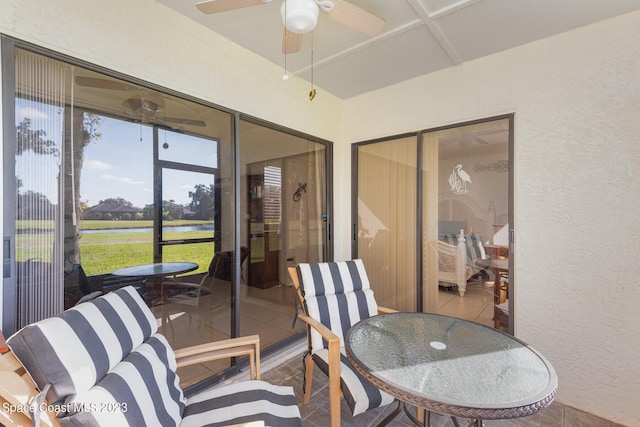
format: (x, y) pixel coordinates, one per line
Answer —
(119, 164)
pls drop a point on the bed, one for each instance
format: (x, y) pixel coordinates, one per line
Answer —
(462, 224)
(457, 255)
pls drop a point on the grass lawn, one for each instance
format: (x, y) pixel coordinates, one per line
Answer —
(94, 224)
(103, 259)
(102, 253)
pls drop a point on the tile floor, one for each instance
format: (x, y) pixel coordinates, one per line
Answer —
(269, 313)
(266, 312)
(316, 412)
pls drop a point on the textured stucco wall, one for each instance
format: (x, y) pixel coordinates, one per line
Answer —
(576, 99)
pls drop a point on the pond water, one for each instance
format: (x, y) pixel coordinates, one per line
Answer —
(181, 228)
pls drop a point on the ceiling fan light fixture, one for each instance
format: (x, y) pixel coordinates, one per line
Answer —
(299, 16)
(149, 105)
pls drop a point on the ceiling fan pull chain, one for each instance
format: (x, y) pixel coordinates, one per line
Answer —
(312, 92)
(285, 76)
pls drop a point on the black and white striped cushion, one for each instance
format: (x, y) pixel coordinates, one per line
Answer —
(108, 366)
(358, 392)
(76, 349)
(243, 402)
(338, 294)
(142, 390)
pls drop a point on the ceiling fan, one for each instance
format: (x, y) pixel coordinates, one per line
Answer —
(145, 103)
(301, 16)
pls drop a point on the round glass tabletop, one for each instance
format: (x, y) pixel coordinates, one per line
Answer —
(450, 365)
(157, 269)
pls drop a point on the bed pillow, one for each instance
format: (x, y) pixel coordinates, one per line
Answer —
(475, 248)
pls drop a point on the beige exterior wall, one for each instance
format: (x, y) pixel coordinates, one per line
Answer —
(577, 101)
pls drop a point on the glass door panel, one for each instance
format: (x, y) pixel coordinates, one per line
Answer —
(466, 221)
(386, 227)
(284, 205)
(196, 206)
(40, 123)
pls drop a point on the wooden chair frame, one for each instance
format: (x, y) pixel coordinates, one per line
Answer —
(18, 391)
(335, 393)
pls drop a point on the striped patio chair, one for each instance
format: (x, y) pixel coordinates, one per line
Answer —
(102, 363)
(336, 295)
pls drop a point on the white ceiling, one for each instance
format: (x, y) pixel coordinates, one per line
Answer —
(420, 36)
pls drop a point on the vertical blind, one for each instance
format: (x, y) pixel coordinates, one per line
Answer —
(386, 228)
(40, 132)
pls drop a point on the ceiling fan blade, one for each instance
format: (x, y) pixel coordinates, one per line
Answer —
(216, 6)
(103, 83)
(291, 42)
(180, 121)
(354, 17)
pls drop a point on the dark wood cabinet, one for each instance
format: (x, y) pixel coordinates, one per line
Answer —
(264, 238)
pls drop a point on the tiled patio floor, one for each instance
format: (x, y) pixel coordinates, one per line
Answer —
(316, 412)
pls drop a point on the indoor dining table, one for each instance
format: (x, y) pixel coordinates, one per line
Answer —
(451, 366)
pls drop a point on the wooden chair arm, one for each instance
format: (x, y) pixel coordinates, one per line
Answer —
(325, 332)
(233, 347)
(17, 390)
(386, 310)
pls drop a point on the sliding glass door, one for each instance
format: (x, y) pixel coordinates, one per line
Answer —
(433, 220)
(103, 173)
(285, 205)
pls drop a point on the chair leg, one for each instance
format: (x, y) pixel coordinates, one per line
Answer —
(334, 382)
(308, 377)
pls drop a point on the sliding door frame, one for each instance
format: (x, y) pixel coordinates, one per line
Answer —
(419, 199)
(9, 295)
(7, 56)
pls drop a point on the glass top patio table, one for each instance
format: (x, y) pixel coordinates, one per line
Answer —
(451, 366)
(160, 269)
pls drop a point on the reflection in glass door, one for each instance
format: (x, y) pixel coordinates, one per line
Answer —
(104, 173)
(432, 220)
(284, 206)
(466, 210)
(186, 193)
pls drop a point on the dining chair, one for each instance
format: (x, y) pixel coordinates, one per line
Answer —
(220, 269)
(334, 296)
